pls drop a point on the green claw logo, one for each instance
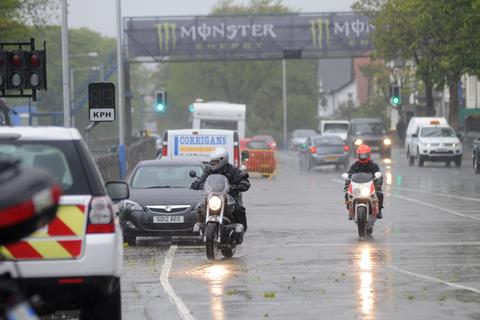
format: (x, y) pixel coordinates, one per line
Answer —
(320, 30)
(167, 36)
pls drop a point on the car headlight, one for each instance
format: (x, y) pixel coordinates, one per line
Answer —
(454, 145)
(132, 206)
(215, 203)
(358, 142)
(387, 142)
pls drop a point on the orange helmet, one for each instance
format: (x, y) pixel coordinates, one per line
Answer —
(363, 153)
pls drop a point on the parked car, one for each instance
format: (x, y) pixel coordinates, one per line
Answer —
(298, 138)
(324, 150)
(476, 155)
(76, 261)
(435, 143)
(371, 132)
(268, 139)
(161, 203)
(261, 159)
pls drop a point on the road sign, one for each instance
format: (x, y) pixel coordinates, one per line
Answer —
(101, 101)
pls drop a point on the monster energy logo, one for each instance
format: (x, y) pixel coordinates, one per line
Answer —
(320, 30)
(167, 37)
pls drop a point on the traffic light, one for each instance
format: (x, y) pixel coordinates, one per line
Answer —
(160, 101)
(395, 96)
(191, 108)
(24, 70)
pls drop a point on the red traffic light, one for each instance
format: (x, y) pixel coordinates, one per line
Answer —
(34, 60)
(16, 60)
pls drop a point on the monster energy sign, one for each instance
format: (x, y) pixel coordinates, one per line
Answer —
(232, 37)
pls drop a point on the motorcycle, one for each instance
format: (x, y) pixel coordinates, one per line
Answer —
(363, 204)
(219, 232)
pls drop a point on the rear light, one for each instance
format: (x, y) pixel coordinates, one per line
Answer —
(236, 155)
(101, 217)
(313, 150)
(71, 280)
(346, 148)
(164, 149)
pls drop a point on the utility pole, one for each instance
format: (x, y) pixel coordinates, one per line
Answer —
(284, 78)
(122, 159)
(66, 65)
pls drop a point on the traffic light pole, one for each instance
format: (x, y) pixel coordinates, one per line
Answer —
(121, 101)
(66, 66)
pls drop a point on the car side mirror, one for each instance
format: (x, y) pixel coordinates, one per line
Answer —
(117, 190)
(415, 135)
(192, 174)
(345, 176)
(245, 155)
(378, 175)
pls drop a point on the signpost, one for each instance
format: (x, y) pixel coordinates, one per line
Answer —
(101, 102)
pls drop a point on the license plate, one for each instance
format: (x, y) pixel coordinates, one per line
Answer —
(442, 150)
(331, 159)
(375, 148)
(168, 219)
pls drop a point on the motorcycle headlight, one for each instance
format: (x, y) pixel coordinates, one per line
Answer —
(132, 206)
(215, 203)
(387, 142)
(358, 142)
(365, 192)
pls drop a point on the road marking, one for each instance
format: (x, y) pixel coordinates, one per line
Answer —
(435, 207)
(422, 276)
(182, 309)
(426, 204)
(406, 244)
(435, 193)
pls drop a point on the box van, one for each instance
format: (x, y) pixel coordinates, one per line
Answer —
(193, 143)
(416, 122)
(334, 128)
(219, 115)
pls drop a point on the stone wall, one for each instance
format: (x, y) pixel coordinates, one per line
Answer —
(144, 149)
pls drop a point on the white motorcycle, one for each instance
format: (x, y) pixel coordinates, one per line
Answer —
(363, 203)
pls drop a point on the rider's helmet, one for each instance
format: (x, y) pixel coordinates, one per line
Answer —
(363, 153)
(218, 159)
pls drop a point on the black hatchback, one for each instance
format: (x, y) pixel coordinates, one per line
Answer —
(161, 203)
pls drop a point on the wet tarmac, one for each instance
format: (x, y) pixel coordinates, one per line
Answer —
(302, 258)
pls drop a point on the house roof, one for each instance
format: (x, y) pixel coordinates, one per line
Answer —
(334, 74)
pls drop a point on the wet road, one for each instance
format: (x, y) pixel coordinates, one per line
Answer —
(301, 258)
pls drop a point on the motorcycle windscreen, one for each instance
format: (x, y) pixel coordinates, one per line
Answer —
(362, 177)
(216, 183)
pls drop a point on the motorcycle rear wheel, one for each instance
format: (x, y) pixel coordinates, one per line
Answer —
(210, 238)
(361, 221)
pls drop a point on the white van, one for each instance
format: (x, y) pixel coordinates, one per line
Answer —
(219, 115)
(193, 143)
(415, 123)
(334, 128)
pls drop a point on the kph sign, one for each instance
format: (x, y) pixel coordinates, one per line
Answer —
(101, 101)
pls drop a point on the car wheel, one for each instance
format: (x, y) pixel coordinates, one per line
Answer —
(130, 240)
(308, 164)
(476, 165)
(447, 164)
(458, 162)
(104, 306)
(421, 161)
(411, 160)
(408, 154)
(346, 164)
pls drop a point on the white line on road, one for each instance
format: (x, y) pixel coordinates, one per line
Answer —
(402, 244)
(435, 207)
(435, 193)
(422, 276)
(182, 309)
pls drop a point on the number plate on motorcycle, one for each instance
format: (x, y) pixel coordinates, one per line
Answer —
(168, 219)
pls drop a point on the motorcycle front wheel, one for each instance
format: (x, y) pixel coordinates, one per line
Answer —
(210, 238)
(361, 221)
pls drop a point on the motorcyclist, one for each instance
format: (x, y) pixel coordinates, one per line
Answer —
(237, 179)
(365, 164)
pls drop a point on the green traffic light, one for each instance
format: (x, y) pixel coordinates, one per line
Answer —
(159, 107)
(191, 108)
(396, 100)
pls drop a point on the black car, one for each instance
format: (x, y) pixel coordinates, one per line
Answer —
(161, 203)
(476, 155)
(370, 131)
(324, 150)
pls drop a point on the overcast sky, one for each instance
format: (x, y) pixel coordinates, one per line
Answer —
(99, 15)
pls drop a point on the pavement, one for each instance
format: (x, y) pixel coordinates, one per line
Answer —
(302, 259)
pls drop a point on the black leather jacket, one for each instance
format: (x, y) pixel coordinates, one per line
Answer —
(369, 167)
(237, 179)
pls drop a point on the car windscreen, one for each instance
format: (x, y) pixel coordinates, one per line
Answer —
(164, 176)
(327, 141)
(335, 128)
(362, 177)
(373, 128)
(430, 132)
(258, 145)
(303, 133)
(216, 183)
(59, 158)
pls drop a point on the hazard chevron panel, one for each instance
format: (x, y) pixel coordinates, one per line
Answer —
(62, 239)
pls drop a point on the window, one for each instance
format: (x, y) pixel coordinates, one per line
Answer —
(328, 141)
(173, 176)
(437, 132)
(258, 144)
(374, 128)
